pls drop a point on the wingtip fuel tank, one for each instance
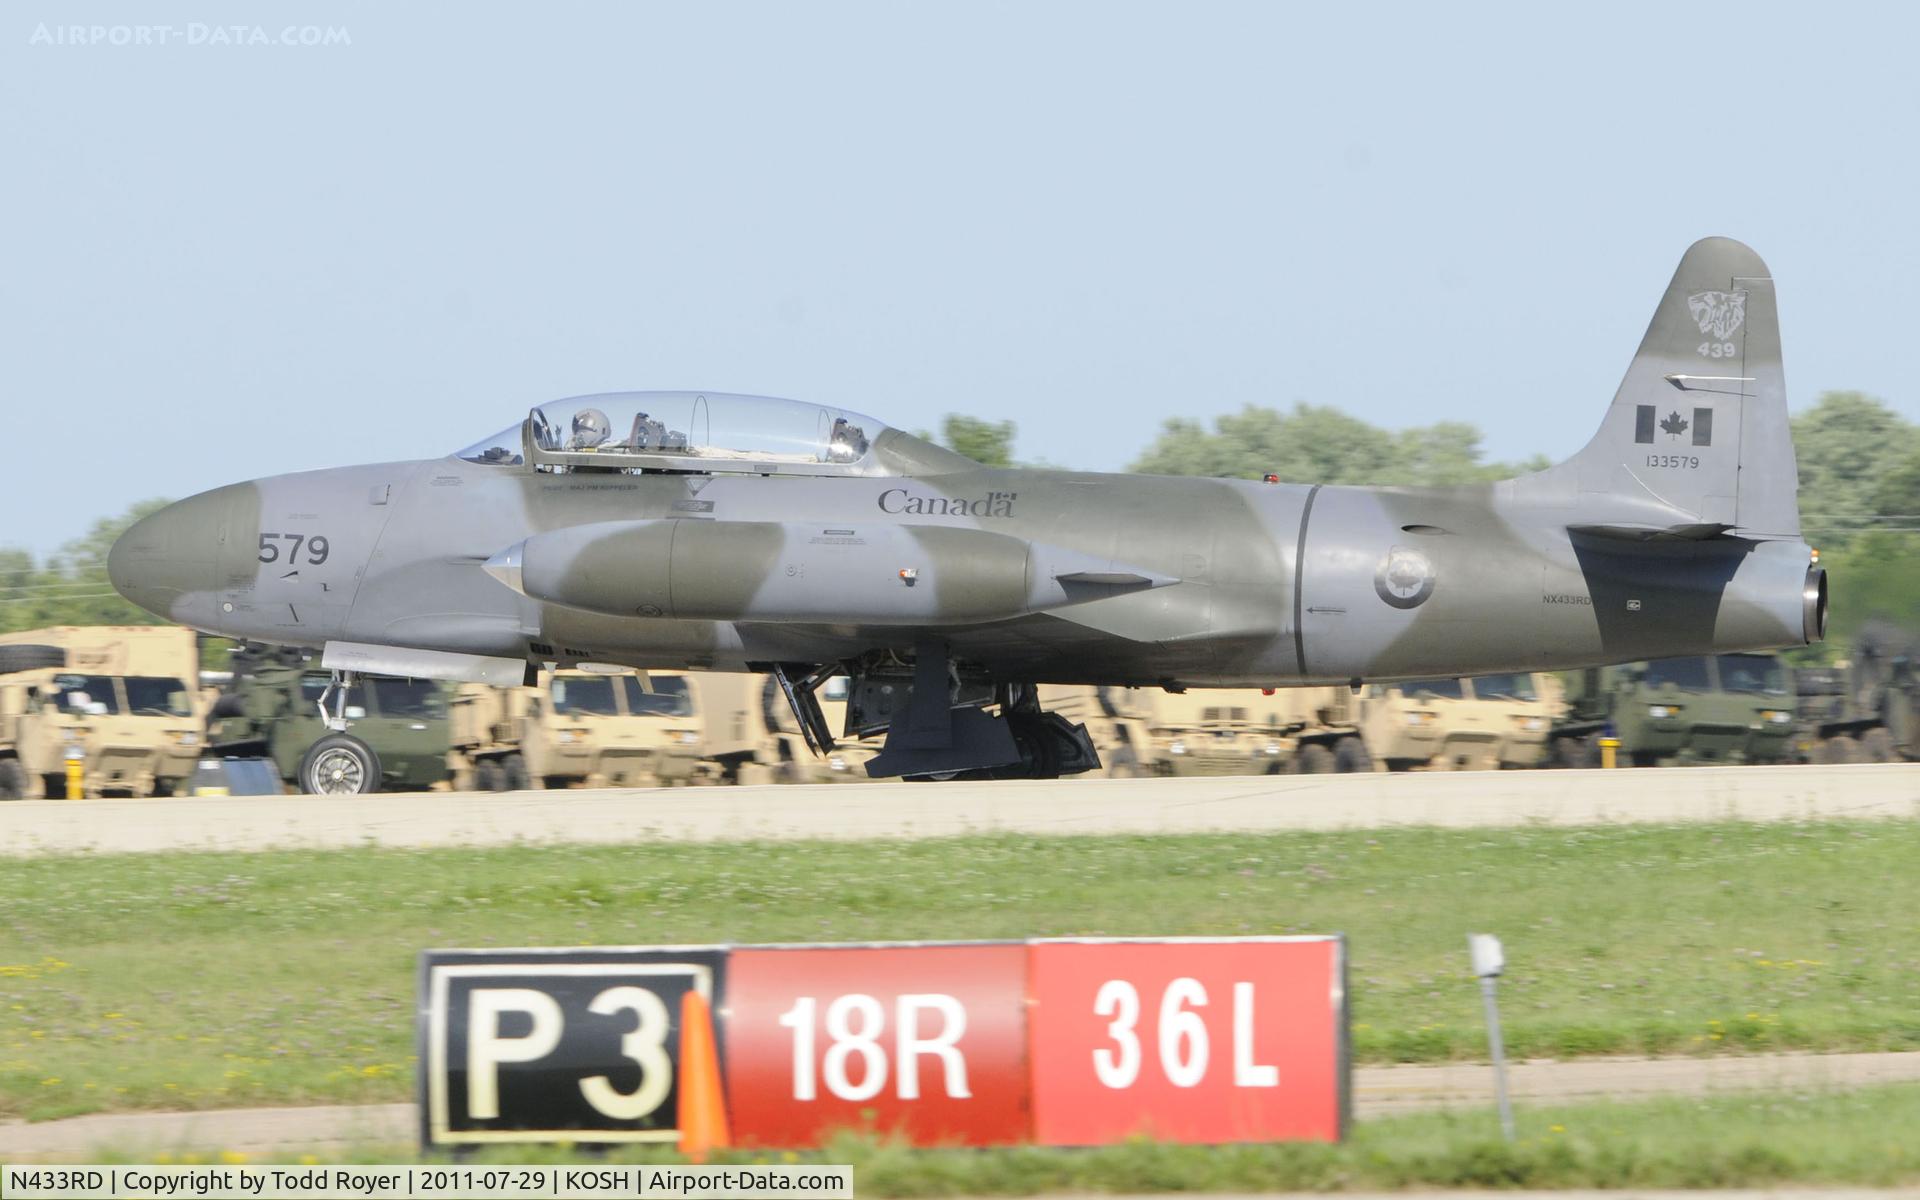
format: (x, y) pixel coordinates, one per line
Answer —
(865, 572)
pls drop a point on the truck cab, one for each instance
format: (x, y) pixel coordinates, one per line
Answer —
(1480, 723)
(119, 702)
(1720, 708)
(579, 729)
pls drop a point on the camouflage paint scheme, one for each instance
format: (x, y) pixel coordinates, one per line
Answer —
(1648, 543)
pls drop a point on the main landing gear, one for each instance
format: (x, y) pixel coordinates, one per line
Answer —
(937, 723)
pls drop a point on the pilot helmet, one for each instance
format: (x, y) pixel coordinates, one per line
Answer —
(590, 428)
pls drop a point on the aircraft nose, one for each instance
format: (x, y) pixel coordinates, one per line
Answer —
(169, 558)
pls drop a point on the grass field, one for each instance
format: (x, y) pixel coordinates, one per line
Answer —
(215, 980)
(1860, 1138)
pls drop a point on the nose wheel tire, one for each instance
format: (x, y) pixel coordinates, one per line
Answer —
(340, 765)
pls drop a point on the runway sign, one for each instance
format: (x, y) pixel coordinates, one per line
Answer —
(923, 1042)
(558, 1045)
(1068, 1043)
(1237, 1040)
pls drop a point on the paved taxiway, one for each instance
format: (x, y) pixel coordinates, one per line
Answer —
(1377, 1091)
(911, 810)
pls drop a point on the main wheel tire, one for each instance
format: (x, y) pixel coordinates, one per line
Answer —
(340, 765)
(28, 656)
(513, 769)
(1844, 749)
(1351, 757)
(13, 779)
(488, 776)
(1313, 760)
(1877, 745)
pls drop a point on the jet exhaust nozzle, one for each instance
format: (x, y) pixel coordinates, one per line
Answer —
(1813, 601)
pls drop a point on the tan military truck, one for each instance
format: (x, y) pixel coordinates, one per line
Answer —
(579, 729)
(1235, 731)
(1484, 723)
(121, 700)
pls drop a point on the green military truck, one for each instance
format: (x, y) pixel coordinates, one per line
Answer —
(1722, 708)
(397, 739)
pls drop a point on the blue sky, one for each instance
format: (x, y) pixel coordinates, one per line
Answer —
(234, 260)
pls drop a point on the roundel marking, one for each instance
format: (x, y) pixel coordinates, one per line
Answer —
(1404, 578)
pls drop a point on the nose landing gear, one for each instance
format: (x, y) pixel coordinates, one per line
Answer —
(336, 691)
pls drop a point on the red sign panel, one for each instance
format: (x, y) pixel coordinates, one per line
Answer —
(927, 1042)
(1239, 1040)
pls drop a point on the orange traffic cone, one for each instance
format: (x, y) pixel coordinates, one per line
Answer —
(703, 1103)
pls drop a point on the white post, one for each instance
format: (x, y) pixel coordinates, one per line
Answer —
(1488, 961)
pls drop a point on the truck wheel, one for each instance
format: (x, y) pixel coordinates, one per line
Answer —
(1843, 749)
(13, 779)
(1350, 757)
(28, 657)
(1313, 760)
(1123, 763)
(513, 773)
(489, 777)
(340, 765)
(1877, 743)
(1577, 753)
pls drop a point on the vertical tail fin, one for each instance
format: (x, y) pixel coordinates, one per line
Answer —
(1699, 426)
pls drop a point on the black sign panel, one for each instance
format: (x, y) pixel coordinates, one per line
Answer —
(557, 1045)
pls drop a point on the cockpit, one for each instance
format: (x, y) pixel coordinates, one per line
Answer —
(685, 431)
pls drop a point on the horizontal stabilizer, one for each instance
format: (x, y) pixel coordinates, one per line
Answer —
(1653, 533)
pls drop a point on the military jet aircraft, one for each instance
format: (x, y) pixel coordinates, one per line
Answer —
(701, 530)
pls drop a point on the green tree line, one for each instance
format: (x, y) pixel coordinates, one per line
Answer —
(71, 586)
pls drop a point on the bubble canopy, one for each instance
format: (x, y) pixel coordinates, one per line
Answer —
(685, 431)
